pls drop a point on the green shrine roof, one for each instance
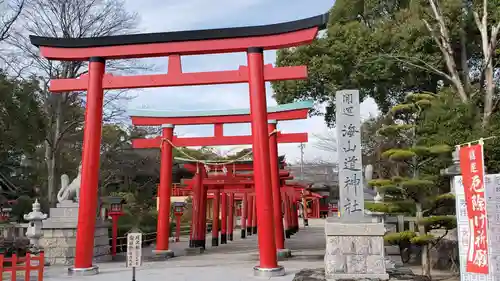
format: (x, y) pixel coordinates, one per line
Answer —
(307, 104)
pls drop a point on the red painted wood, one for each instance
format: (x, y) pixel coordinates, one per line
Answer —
(275, 185)
(216, 141)
(219, 181)
(173, 79)
(225, 119)
(218, 130)
(250, 174)
(164, 191)
(237, 166)
(90, 166)
(231, 45)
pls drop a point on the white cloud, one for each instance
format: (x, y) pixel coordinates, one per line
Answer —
(157, 15)
(170, 15)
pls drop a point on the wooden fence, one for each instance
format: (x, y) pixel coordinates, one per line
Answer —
(13, 230)
(401, 223)
(22, 266)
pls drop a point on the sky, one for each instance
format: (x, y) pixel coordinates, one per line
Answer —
(174, 15)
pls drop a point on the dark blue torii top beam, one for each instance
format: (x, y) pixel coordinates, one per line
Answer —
(182, 36)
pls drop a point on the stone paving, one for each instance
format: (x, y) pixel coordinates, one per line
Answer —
(232, 261)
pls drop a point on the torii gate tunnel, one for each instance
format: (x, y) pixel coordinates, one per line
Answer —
(252, 40)
(273, 234)
(238, 182)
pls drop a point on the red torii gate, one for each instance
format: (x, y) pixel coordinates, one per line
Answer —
(169, 119)
(290, 195)
(236, 183)
(252, 40)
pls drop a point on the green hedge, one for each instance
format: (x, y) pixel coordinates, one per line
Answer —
(18, 246)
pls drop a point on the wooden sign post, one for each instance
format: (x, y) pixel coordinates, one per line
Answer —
(134, 250)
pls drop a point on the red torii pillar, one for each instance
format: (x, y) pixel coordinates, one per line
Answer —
(250, 215)
(262, 169)
(254, 215)
(244, 215)
(164, 193)
(275, 181)
(215, 219)
(230, 225)
(90, 168)
(288, 224)
(223, 233)
(197, 227)
(295, 216)
(203, 222)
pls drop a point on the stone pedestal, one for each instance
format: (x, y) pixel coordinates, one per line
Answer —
(59, 236)
(354, 250)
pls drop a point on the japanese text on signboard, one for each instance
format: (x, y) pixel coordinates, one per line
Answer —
(471, 165)
(134, 249)
(349, 152)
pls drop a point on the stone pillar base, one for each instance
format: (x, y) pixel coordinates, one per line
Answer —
(243, 234)
(59, 236)
(283, 254)
(223, 238)
(268, 272)
(249, 231)
(354, 249)
(230, 238)
(215, 241)
(72, 271)
(161, 255)
(194, 251)
(355, 276)
(254, 229)
(287, 233)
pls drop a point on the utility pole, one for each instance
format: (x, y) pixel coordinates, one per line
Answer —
(304, 201)
(302, 146)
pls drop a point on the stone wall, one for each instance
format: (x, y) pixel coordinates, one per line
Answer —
(354, 250)
(59, 236)
(59, 245)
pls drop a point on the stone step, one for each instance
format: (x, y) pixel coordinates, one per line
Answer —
(64, 212)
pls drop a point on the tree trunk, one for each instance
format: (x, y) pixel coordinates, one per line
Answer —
(488, 96)
(51, 153)
(442, 39)
(488, 45)
(51, 179)
(426, 263)
(463, 56)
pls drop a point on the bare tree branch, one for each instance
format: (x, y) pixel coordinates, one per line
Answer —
(423, 65)
(442, 39)
(68, 19)
(488, 45)
(7, 20)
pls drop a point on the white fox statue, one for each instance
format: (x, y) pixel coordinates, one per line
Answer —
(70, 191)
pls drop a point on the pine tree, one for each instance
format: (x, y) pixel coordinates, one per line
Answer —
(411, 189)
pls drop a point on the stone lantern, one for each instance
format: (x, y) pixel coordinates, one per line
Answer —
(34, 231)
(5, 214)
(178, 212)
(115, 211)
(453, 170)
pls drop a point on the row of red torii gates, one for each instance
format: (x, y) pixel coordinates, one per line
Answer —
(252, 40)
(225, 180)
(233, 188)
